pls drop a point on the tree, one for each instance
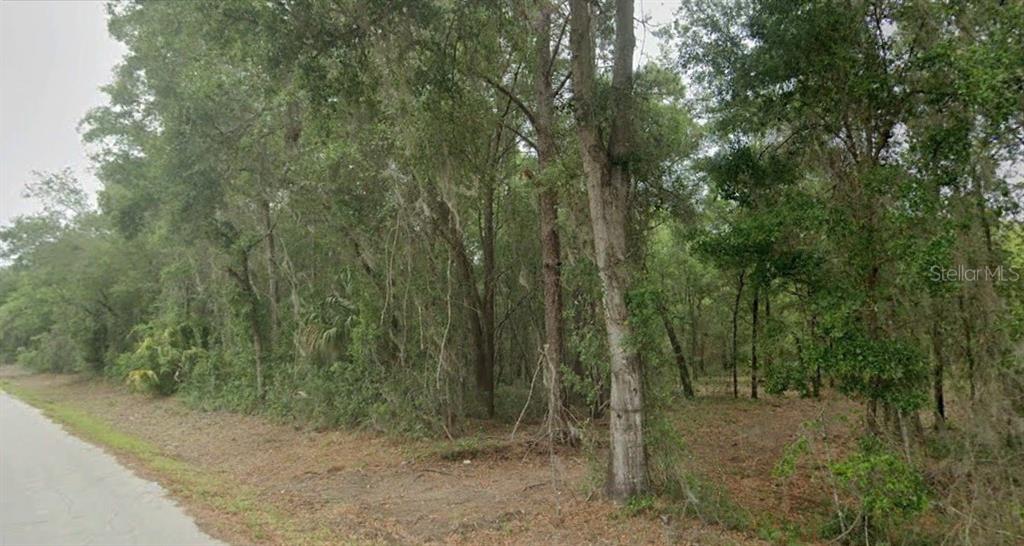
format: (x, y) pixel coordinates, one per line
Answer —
(606, 164)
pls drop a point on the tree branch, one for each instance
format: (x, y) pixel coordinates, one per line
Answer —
(512, 96)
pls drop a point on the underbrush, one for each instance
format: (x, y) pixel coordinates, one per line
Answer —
(53, 351)
(881, 493)
(945, 487)
(983, 488)
(677, 490)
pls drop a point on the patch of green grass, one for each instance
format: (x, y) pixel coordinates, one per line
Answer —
(260, 521)
(639, 505)
(779, 532)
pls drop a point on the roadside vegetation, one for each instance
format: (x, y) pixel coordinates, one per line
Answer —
(461, 224)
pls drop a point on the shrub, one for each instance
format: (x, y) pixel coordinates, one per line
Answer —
(884, 490)
(159, 362)
(53, 351)
(790, 375)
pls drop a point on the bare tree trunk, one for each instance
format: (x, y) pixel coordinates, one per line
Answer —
(754, 304)
(553, 344)
(483, 372)
(768, 352)
(447, 226)
(735, 331)
(270, 248)
(939, 372)
(700, 352)
(816, 383)
(965, 319)
(694, 328)
(257, 344)
(817, 379)
(244, 280)
(677, 351)
(608, 184)
(487, 313)
(547, 204)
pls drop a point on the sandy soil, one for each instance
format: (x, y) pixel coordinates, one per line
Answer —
(355, 486)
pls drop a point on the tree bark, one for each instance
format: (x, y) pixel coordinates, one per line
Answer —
(270, 248)
(816, 382)
(486, 374)
(608, 184)
(965, 320)
(769, 358)
(701, 352)
(735, 331)
(695, 329)
(754, 304)
(939, 371)
(547, 204)
(244, 280)
(677, 350)
(448, 228)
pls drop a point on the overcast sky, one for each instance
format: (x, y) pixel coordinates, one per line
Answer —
(54, 56)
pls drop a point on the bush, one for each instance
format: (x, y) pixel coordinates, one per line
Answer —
(160, 360)
(54, 351)
(790, 375)
(884, 490)
(223, 379)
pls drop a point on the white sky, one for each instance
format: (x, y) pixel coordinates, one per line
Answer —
(655, 15)
(54, 56)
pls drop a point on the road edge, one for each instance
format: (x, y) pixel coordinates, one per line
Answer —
(207, 498)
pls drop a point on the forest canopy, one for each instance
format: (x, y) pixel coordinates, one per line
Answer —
(412, 215)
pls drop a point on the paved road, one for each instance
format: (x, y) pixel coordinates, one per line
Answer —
(56, 490)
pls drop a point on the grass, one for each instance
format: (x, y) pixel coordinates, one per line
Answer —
(256, 520)
(466, 448)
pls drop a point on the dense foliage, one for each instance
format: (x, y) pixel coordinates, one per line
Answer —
(339, 212)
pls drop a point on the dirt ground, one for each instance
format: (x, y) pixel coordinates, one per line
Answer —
(355, 487)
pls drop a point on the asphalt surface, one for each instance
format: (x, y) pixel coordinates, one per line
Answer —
(56, 490)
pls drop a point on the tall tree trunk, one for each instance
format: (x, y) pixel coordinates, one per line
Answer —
(483, 372)
(695, 329)
(701, 352)
(608, 184)
(735, 332)
(939, 372)
(257, 344)
(253, 317)
(816, 382)
(270, 248)
(754, 304)
(553, 338)
(677, 351)
(487, 312)
(983, 217)
(769, 358)
(447, 226)
(965, 320)
(580, 316)
(547, 204)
